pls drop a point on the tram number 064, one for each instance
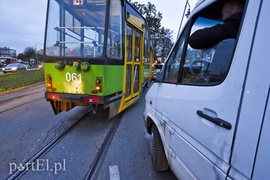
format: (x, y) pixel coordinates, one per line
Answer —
(73, 77)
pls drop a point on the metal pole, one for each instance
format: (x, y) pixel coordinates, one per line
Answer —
(182, 18)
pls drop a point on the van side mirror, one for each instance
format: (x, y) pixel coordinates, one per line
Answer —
(159, 76)
(158, 66)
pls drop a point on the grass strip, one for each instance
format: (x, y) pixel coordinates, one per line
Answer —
(20, 79)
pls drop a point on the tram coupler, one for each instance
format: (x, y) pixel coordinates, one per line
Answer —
(97, 108)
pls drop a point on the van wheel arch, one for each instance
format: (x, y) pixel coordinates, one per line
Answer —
(149, 124)
(157, 151)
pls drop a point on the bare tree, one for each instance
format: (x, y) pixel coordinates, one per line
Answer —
(30, 53)
(160, 36)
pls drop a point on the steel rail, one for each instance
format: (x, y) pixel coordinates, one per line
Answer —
(96, 165)
(27, 165)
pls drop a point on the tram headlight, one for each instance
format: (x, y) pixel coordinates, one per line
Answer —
(98, 81)
(98, 88)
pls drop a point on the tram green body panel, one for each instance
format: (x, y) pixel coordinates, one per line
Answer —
(72, 81)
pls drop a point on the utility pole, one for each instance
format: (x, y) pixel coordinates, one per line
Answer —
(187, 15)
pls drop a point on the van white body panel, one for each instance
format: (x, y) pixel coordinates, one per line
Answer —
(255, 94)
(199, 149)
(262, 165)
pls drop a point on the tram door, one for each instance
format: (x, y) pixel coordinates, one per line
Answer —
(134, 47)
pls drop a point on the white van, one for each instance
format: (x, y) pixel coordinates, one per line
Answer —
(209, 116)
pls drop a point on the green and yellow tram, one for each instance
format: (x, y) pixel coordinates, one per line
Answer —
(97, 52)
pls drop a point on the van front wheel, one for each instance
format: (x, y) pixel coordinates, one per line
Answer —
(158, 155)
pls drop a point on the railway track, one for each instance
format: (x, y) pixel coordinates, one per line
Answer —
(94, 165)
(27, 165)
(5, 100)
(8, 103)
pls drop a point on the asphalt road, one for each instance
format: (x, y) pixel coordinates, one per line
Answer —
(27, 124)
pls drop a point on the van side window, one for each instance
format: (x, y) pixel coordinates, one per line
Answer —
(207, 66)
(173, 64)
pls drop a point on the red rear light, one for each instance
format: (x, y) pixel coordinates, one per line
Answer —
(53, 96)
(91, 99)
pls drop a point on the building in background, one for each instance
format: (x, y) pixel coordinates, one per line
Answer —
(7, 55)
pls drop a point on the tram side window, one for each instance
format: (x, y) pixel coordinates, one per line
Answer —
(129, 43)
(129, 32)
(137, 46)
(114, 41)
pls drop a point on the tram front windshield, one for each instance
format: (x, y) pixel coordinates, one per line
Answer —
(76, 28)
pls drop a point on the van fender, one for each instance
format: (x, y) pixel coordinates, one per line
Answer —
(149, 122)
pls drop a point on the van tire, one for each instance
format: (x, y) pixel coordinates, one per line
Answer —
(158, 155)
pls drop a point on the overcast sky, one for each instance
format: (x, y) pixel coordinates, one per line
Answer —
(22, 23)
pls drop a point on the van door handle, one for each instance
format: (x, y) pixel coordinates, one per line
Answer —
(216, 121)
